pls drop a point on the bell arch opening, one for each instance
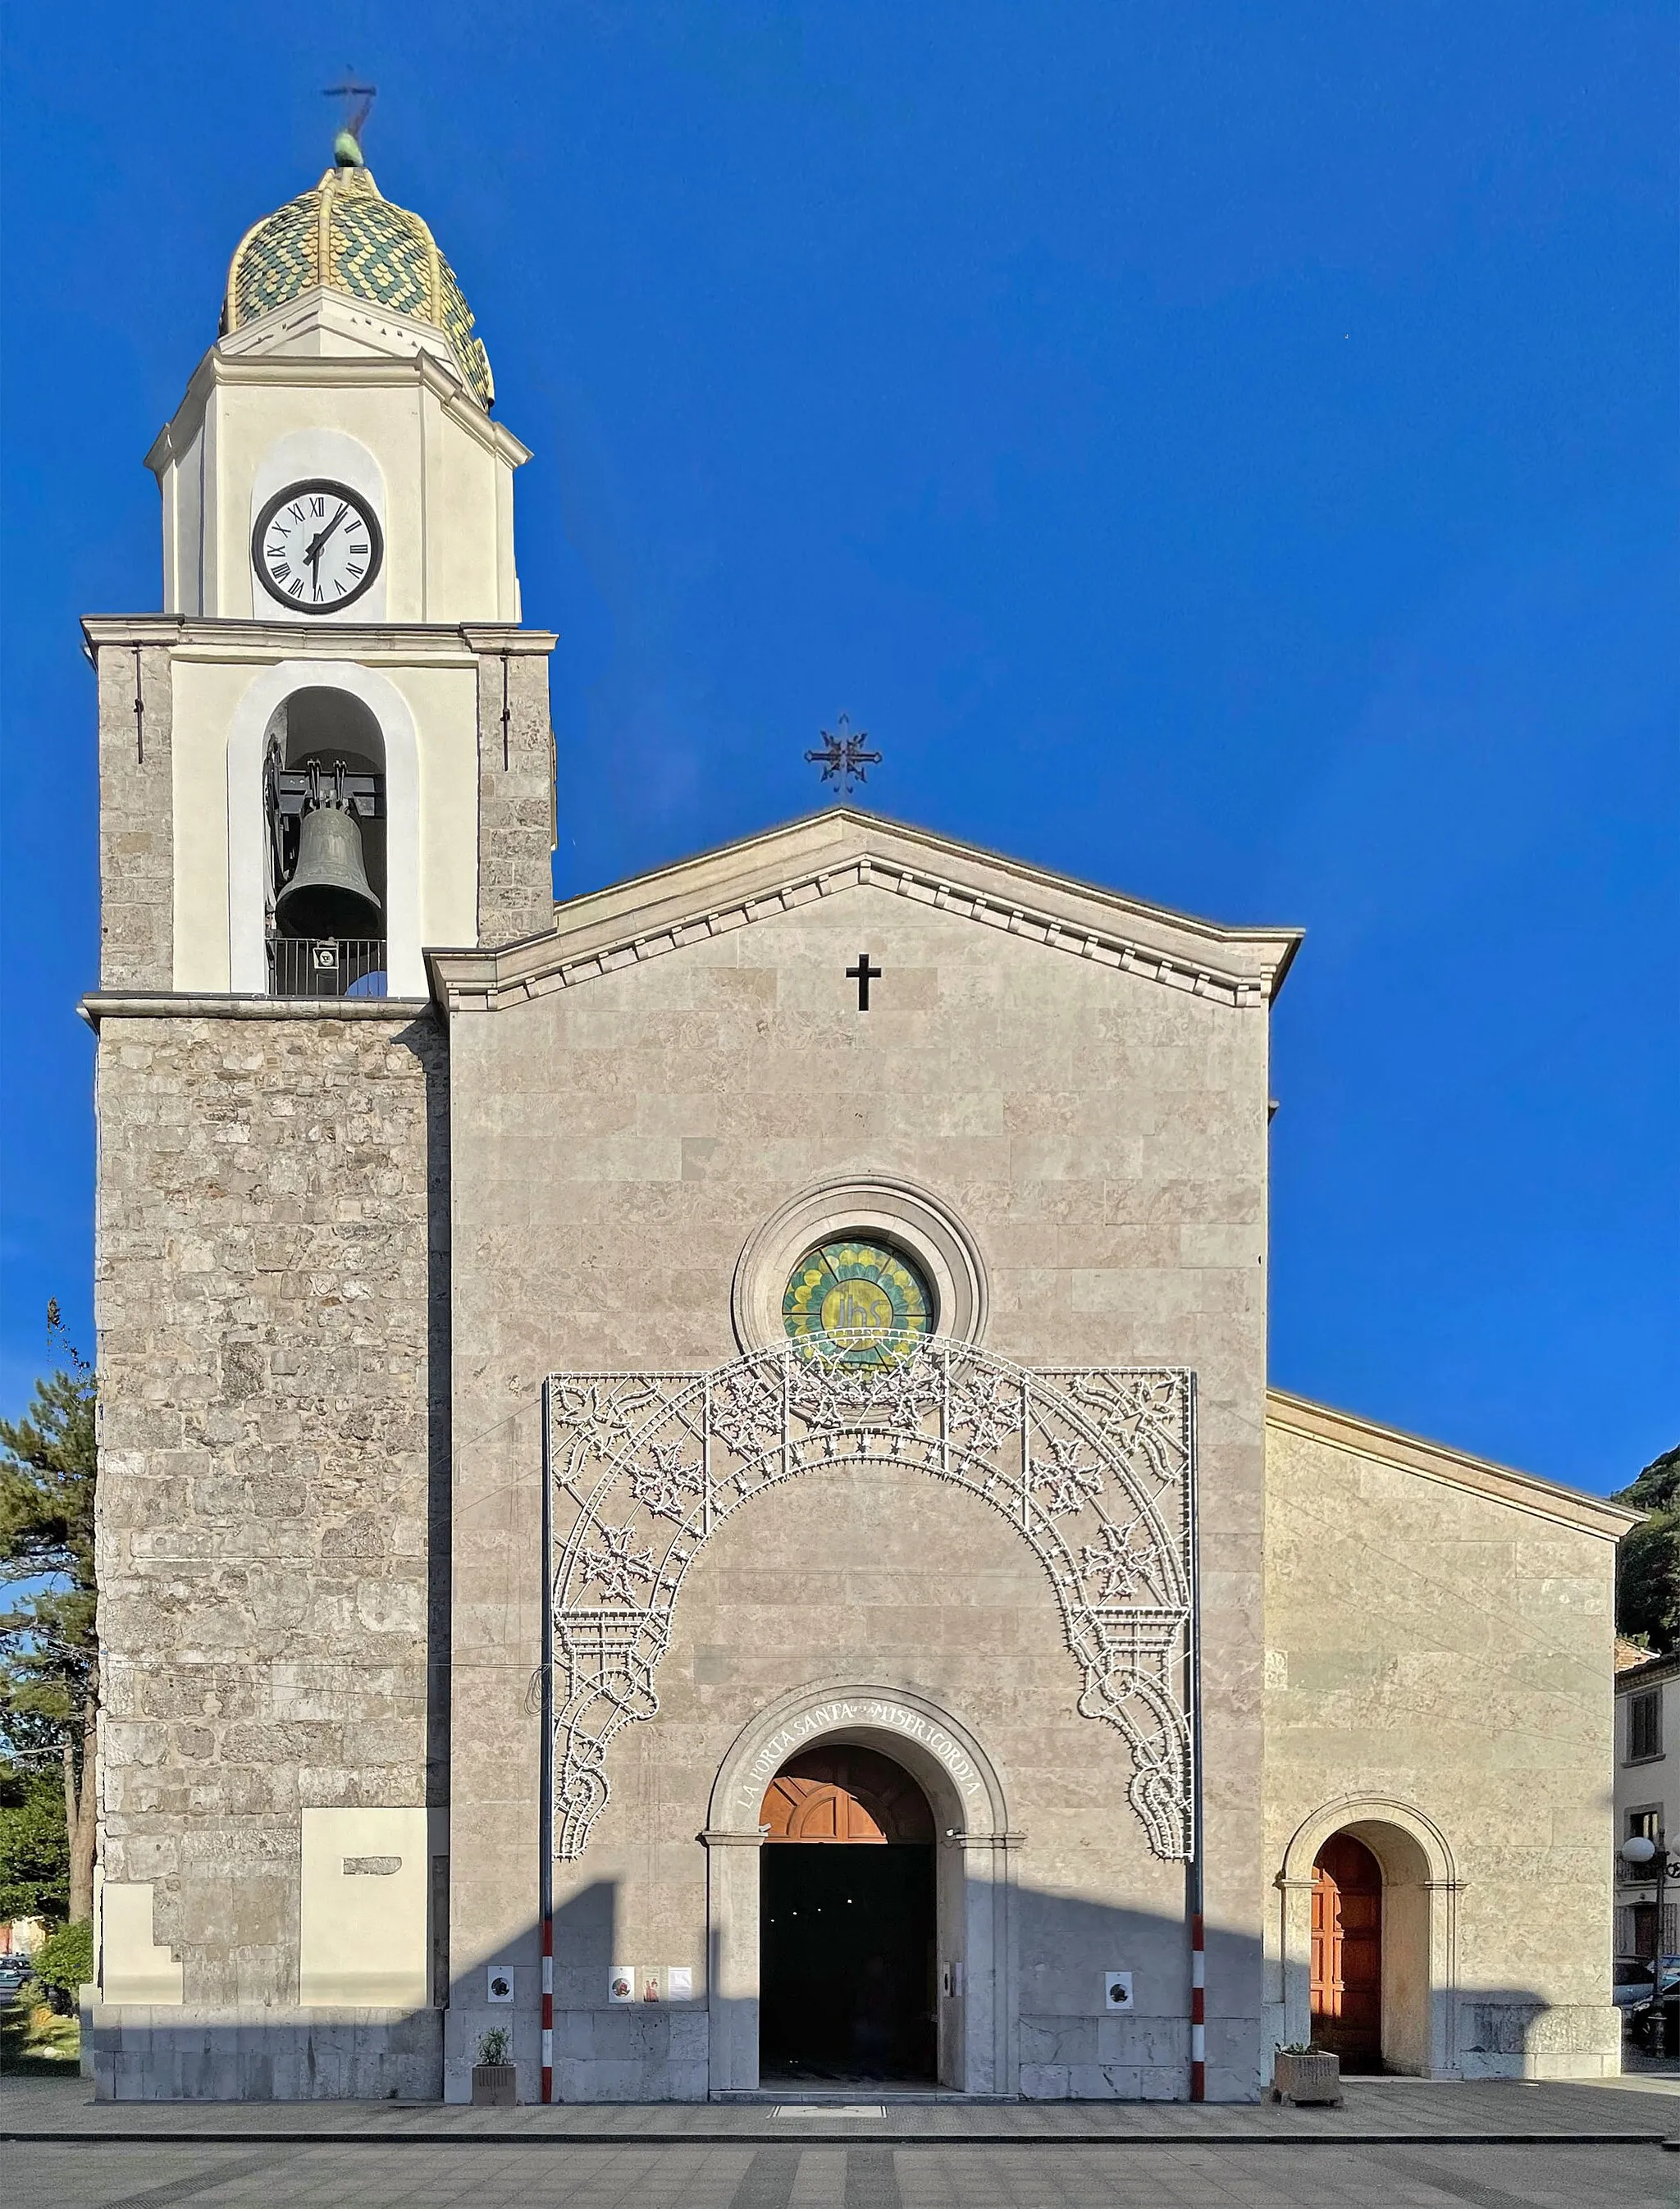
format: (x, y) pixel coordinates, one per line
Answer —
(325, 893)
(849, 1933)
(292, 715)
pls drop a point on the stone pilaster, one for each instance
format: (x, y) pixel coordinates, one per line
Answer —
(136, 817)
(515, 783)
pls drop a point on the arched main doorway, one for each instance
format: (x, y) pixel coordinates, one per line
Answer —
(847, 1920)
(1346, 1992)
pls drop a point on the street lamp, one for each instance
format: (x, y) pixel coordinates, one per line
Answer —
(1638, 1852)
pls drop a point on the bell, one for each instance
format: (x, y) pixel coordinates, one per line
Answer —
(328, 893)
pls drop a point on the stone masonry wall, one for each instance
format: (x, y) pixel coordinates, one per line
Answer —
(272, 1307)
(1449, 1654)
(515, 784)
(136, 818)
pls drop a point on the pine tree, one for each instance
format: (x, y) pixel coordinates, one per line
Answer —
(49, 1641)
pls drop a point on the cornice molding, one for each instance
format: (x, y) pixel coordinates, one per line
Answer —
(213, 637)
(203, 1005)
(395, 371)
(828, 854)
(1544, 1499)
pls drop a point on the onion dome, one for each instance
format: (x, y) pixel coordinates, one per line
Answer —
(345, 235)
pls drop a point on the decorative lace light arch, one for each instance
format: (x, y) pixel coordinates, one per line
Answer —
(1095, 1469)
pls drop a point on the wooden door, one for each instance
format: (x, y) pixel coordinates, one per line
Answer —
(1347, 1954)
(840, 1793)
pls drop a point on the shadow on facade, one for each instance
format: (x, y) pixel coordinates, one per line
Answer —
(426, 1041)
(1064, 2038)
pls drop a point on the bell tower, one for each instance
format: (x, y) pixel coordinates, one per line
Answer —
(331, 750)
(328, 753)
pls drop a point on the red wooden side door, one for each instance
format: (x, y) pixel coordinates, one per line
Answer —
(1348, 1953)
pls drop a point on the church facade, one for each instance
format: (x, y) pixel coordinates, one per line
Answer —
(630, 1430)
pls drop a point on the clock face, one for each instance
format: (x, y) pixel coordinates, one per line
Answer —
(316, 546)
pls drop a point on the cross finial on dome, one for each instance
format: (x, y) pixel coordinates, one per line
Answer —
(357, 100)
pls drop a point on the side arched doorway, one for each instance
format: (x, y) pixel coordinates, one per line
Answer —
(1368, 1938)
(848, 1921)
(1346, 1988)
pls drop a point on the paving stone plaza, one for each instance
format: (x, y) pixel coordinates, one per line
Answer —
(1399, 2144)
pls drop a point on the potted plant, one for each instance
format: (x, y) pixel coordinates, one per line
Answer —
(1301, 2074)
(494, 2077)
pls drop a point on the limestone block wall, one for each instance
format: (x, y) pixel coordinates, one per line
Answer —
(1102, 1136)
(271, 1304)
(515, 784)
(136, 815)
(1438, 1676)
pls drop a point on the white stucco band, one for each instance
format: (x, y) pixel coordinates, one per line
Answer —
(247, 958)
(364, 1890)
(131, 1966)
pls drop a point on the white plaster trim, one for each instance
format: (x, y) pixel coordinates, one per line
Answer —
(881, 1204)
(247, 960)
(132, 1967)
(362, 1945)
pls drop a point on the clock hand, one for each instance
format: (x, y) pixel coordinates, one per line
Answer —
(321, 537)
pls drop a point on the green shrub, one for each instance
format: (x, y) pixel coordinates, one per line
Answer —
(64, 1962)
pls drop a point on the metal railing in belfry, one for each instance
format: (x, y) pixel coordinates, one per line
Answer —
(326, 967)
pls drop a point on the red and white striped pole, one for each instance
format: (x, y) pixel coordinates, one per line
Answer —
(1198, 2011)
(548, 2007)
(545, 1762)
(1194, 1879)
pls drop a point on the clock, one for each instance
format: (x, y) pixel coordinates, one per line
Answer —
(316, 546)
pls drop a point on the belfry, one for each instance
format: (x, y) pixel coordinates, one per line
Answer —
(746, 1598)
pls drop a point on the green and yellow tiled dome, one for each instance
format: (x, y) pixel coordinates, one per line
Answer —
(344, 234)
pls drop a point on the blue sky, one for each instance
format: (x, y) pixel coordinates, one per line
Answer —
(1228, 453)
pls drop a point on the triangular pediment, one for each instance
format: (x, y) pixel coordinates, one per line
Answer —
(844, 851)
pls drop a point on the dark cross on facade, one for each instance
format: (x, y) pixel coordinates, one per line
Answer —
(862, 974)
(842, 756)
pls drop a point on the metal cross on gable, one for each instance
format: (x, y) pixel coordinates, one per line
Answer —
(842, 755)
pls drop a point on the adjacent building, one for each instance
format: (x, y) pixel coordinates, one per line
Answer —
(1648, 1922)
